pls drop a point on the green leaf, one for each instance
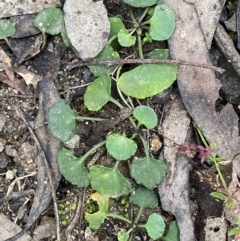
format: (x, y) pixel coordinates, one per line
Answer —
(147, 80)
(96, 219)
(98, 93)
(120, 147)
(155, 226)
(109, 182)
(72, 168)
(61, 121)
(234, 231)
(116, 24)
(173, 232)
(140, 3)
(49, 20)
(148, 171)
(122, 236)
(219, 196)
(144, 198)
(106, 54)
(159, 54)
(125, 38)
(162, 23)
(145, 116)
(7, 29)
(65, 38)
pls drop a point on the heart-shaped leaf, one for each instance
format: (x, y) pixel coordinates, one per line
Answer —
(98, 93)
(116, 24)
(155, 226)
(145, 116)
(147, 80)
(144, 198)
(148, 171)
(72, 168)
(49, 20)
(125, 38)
(162, 23)
(120, 147)
(106, 54)
(7, 29)
(109, 182)
(61, 121)
(140, 3)
(96, 219)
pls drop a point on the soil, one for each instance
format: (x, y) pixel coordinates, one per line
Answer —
(18, 150)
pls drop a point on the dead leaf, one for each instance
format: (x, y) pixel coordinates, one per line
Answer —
(28, 76)
(8, 229)
(7, 64)
(12, 8)
(87, 26)
(198, 87)
(174, 189)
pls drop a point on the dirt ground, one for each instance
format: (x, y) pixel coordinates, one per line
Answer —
(18, 150)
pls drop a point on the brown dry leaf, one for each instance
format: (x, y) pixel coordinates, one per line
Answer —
(198, 87)
(15, 7)
(87, 26)
(8, 229)
(174, 189)
(7, 65)
(28, 76)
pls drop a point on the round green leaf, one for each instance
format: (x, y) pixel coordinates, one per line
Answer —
(49, 20)
(125, 38)
(155, 226)
(72, 168)
(144, 198)
(122, 235)
(109, 182)
(106, 54)
(140, 3)
(148, 171)
(120, 147)
(145, 116)
(162, 23)
(7, 29)
(147, 80)
(61, 121)
(98, 93)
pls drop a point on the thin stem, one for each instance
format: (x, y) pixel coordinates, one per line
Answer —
(116, 165)
(116, 103)
(143, 15)
(202, 137)
(113, 215)
(219, 173)
(145, 146)
(138, 215)
(87, 154)
(81, 118)
(133, 18)
(140, 50)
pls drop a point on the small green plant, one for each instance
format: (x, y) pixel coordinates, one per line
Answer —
(143, 198)
(140, 82)
(50, 21)
(7, 29)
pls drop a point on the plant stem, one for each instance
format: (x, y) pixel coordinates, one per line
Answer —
(116, 102)
(140, 50)
(116, 165)
(143, 15)
(87, 154)
(212, 158)
(145, 146)
(138, 215)
(133, 18)
(113, 215)
(81, 118)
